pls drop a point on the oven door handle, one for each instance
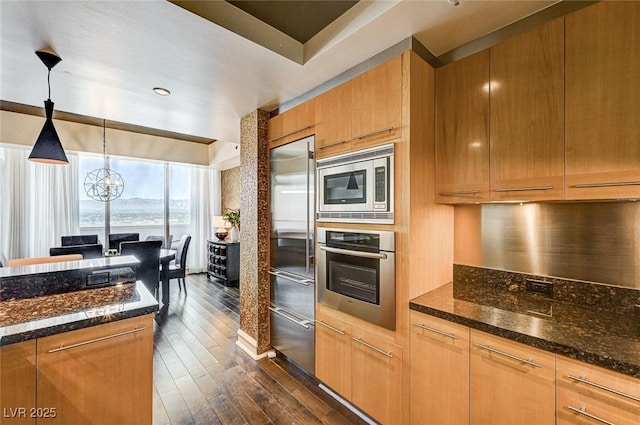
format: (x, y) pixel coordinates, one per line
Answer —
(378, 256)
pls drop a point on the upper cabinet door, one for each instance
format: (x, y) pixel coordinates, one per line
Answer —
(462, 130)
(527, 115)
(291, 125)
(377, 104)
(603, 101)
(333, 121)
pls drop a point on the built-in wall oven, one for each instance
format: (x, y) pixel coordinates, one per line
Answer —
(356, 273)
(356, 187)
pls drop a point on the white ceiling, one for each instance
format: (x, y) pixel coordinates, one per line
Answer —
(115, 52)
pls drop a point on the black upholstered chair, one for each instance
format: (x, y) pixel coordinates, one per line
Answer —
(87, 251)
(148, 253)
(3, 260)
(116, 238)
(79, 240)
(178, 270)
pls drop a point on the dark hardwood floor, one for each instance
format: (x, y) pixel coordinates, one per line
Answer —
(201, 377)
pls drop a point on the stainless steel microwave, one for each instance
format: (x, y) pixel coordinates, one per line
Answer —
(356, 187)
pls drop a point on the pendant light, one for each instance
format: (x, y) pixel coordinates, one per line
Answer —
(48, 148)
(103, 184)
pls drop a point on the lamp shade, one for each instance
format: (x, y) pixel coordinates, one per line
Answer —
(48, 148)
(217, 221)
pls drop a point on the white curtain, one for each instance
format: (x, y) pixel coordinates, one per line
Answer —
(38, 203)
(201, 209)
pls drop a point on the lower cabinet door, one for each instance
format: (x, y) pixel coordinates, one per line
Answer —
(377, 377)
(511, 383)
(18, 384)
(333, 354)
(102, 375)
(591, 395)
(439, 371)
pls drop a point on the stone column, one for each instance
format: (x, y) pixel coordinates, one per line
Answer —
(253, 335)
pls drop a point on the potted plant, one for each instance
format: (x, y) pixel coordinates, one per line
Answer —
(232, 216)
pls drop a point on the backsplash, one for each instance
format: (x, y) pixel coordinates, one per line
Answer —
(586, 241)
(507, 288)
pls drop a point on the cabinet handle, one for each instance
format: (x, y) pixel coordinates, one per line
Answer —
(612, 184)
(339, 142)
(511, 356)
(427, 328)
(522, 189)
(583, 411)
(290, 133)
(459, 192)
(602, 387)
(372, 133)
(305, 282)
(91, 341)
(360, 341)
(287, 315)
(330, 327)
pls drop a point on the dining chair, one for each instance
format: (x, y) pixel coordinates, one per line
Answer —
(79, 240)
(42, 260)
(160, 238)
(178, 270)
(148, 253)
(87, 251)
(116, 238)
(3, 260)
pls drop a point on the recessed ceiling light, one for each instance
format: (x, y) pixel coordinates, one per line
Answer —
(161, 91)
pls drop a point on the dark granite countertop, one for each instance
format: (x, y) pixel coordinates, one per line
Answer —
(90, 263)
(24, 319)
(580, 332)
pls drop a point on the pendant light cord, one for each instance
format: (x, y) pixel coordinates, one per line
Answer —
(104, 138)
(49, 81)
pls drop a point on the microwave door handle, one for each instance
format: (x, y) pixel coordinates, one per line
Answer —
(363, 254)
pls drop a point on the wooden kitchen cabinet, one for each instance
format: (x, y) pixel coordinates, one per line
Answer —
(603, 101)
(527, 115)
(376, 104)
(376, 377)
(462, 130)
(361, 113)
(333, 121)
(98, 375)
(361, 367)
(510, 383)
(294, 124)
(589, 394)
(439, 371)
(18, 383)
(333, 354)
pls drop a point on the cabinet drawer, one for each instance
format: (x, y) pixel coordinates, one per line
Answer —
(333, 354)
(594, 391)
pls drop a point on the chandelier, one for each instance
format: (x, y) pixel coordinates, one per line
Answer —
(103, 184)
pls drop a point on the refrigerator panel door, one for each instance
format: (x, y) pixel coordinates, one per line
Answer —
(297, 297)
(294, 341)
(291, 179)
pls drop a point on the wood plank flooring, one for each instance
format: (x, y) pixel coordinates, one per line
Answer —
(202, 378)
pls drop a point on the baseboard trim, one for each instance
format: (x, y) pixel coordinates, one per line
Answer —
(348, 405)
(250, 346)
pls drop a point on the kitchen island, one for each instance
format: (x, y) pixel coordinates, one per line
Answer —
(72, 354)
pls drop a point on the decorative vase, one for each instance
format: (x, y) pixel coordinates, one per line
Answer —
(233, 234)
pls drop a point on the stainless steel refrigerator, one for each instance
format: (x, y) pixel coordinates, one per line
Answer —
(292, 252)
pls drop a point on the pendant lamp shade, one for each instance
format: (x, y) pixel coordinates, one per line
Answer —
(48, 148)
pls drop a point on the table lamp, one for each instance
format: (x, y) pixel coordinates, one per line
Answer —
(219, 224)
